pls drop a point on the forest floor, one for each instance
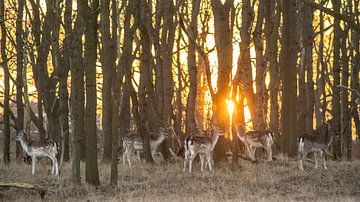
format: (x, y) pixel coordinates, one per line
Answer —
(280, 180)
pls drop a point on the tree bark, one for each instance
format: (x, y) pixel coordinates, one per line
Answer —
(260, 111)
(108, 64)
(120, 116)
(273, 19)
(19, 70)
(223, 42)
(345, 111)
(320, 94)
(336, 107)
(288, 57)
(63, 82)
(4, 60)
(308, 37)
(90, 58)
(192, 67)
(77, 90)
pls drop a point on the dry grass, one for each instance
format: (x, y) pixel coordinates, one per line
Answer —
(278, 180)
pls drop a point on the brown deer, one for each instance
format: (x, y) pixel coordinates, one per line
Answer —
(318, 143)
(256, 139)
(202, 145)
(44, 148)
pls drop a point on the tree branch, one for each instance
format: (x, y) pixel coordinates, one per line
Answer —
(335, 14)
(203, 55)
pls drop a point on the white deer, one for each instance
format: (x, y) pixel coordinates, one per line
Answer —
(318, 143)
(43, 148)
(256, 139)
(202, 145)
(133, 143)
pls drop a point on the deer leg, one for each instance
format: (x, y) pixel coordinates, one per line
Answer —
(248, 150)
(209, 161)
(323, 159)
(269, 151)
(316, 159)
(301, 155)
(33, 160)
(124, 156)
(192, 157)
(186, 159)
(253, 149)
(53, 165)
(55, 168)
(202, 162)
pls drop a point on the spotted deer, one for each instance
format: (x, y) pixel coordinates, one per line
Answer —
(317, 142)
(133, 143)
(256, 139)
(43, 148)
(201, 145)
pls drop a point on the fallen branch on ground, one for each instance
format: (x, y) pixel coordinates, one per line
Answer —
(41, 190)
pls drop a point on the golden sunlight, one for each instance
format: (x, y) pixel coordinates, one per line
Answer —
(230, 107)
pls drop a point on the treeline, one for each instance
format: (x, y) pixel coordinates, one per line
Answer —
(155, 71)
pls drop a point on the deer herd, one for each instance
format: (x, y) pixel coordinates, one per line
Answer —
(201, 145)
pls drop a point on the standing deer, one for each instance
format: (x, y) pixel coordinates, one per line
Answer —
(43, 148)
(256, 139)
(202, 145)
(133, 143)
(318, 143)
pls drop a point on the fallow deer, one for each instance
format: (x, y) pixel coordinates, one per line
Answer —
(318, 143)
(133, 143)
(43, 148)
(202, 145)
(256, 139)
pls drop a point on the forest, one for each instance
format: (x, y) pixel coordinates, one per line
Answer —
(95, 85)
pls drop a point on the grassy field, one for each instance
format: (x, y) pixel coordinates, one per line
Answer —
(277, 181)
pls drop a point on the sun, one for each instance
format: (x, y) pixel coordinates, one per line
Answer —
(230, 106)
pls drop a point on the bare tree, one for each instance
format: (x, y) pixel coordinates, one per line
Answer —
(4, 64)
(192, 66)
(108, 58)
(77, 89)
(288, 58)
(336, 108)
(121, 91)
(19, 69)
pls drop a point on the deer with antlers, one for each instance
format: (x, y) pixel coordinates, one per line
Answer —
(202, 146)
(317, 142)
(256, 139)
(133, 143)
(43, 148)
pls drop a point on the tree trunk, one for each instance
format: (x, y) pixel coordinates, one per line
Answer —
(308, 37)
(90, 57)
(273, 18)
(4, 59)
(345, 114)
(192, 67)
(244, 61)
(336, 108)
(288, 57)
(260, 112)
(301, 107)
(19, 70)
(223, 43)
(120, 117)
(63, 83)
(108, 64)
(355, 82)
(320, 95)
(77, 91)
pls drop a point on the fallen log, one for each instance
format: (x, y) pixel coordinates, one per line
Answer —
(41, 190)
